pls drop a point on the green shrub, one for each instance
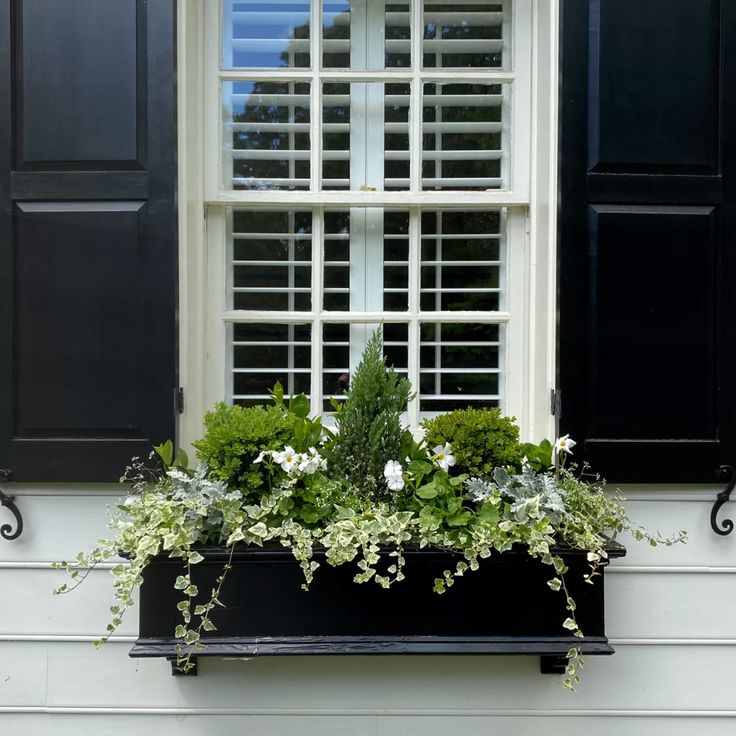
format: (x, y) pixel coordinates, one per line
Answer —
(369, 423)
(234, 437)
(481, 439)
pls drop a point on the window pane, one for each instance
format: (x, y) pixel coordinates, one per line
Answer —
(461, 261)
(265, 34)
(366, 260)
(365, 136)
(462, 136)
(266, 353)
(365, 34)
(266, 135)
(460, 366)
(272, 260)
(342, 348)
(464, 34)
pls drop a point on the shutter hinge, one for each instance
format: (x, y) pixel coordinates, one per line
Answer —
(179, 400)
(555, 403)
(6, 531)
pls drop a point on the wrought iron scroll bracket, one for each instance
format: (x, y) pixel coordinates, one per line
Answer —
(6, 530)
(725, 474)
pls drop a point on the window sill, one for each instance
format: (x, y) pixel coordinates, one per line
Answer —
(504, 608)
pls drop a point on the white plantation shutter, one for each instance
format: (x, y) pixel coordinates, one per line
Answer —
(396, 124)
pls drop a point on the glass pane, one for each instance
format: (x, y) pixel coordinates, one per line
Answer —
(266, 135)
(342, 348)
(357, 242)
(365, 34)
(460, 366)
(265, 34)
(272, 260)
(266, 353)
(462, 133)
(464, 34)
(398, 35)
(461, 260)
(365, 136)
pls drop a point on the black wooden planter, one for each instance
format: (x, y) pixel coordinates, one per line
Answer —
(505, 607)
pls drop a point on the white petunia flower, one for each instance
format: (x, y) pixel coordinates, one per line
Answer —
(393, 473)
(565, 444)
(443, 456)
(288, 459)
(260, 457)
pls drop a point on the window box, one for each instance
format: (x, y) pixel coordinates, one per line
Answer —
(505, 607)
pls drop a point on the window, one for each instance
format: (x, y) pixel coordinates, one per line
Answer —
(368, 164)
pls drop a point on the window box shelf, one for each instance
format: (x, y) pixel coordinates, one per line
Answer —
(503, 608)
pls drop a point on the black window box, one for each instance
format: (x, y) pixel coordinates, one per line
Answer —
(505, 607)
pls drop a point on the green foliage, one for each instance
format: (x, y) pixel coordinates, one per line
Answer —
(288, 490)
(234, 437)
(481, 439)
(369, 424)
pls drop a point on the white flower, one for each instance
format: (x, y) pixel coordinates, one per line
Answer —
(443, 456)
(288, 459)
(564, 444)
(394, 475)
(259, 459)
(310, 462)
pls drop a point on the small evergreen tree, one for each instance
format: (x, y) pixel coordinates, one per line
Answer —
(369, 423)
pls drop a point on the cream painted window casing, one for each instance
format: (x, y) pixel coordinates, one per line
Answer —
(368, 163)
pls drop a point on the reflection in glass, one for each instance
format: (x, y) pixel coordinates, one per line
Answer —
(462, 136)
(459, 366)
(271, 260)
(463, 34)
(365, 138)
(365, 34)
(266, 353)
(266, 135)
(265, 34)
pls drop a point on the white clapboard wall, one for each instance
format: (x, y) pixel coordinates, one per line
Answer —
(671, 616)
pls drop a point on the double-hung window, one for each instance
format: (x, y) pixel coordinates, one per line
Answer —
(368, 164)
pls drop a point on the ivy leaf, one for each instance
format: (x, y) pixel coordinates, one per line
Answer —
(555, 583)
(569, 624)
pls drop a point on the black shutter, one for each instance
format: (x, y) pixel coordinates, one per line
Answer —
(87, 235)
(648, 236)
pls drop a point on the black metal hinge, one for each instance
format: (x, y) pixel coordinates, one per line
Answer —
(555, 403)
(725, 474)
(6, 531)
(179, 400)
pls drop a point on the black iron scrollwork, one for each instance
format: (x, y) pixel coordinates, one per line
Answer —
(725, 474)
(6, 530)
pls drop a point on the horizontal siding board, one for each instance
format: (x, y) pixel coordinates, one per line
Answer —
(124, 725)
(637, 677)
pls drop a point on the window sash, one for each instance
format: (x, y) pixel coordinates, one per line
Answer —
(515, 198)
(518, 131)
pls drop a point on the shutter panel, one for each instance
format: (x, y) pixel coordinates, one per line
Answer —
(647, 236)
(87, 235)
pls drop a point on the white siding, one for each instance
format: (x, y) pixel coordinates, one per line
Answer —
(671, 615)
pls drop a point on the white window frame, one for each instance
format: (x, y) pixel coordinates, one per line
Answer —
(530, 200)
